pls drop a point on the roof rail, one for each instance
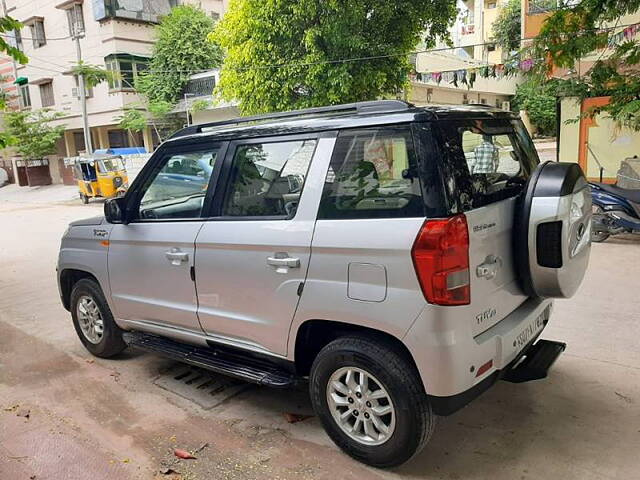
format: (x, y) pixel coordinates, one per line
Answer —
(375, 106)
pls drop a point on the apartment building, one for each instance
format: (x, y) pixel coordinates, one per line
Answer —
(596, 142)
(473, 50)
(116, 34)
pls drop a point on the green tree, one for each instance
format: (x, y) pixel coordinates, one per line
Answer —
(158, 114)
(181, 49)
(590, 27)
(33, 132)
(290, 54)
(506, 28)
(539, 100)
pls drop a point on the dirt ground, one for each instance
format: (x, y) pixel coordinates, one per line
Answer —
(67, 415)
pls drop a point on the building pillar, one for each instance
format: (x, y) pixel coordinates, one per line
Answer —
(103, 137)
(147, 139)
(70, 143)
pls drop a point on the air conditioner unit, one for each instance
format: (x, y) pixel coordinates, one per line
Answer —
(75, 92)
(506, 106)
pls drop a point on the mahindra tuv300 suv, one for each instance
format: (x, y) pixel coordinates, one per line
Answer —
(400, 259)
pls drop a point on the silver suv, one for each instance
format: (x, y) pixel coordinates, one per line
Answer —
(399, 259)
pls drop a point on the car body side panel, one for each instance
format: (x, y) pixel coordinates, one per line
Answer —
(373, 245)
(243, 300)
(83, 248)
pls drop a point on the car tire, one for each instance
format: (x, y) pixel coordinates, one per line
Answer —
(93, 320)
(412, 420)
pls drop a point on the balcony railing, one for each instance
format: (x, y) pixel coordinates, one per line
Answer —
(200, 87)
(139, 11)
(543, 6)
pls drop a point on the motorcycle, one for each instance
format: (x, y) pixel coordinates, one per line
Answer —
(615, 210)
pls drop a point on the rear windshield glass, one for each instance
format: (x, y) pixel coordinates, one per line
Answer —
(486, 160)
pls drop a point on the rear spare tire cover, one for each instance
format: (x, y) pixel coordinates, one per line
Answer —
(553, 230)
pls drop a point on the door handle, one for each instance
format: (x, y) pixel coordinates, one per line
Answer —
(176, 257)
(283, 262)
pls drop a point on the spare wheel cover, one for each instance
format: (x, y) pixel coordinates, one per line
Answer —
(552, 231)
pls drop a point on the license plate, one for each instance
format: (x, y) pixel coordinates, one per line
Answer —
(531, 330)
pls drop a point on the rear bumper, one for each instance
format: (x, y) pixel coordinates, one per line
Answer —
(538, 359)
(454, 364)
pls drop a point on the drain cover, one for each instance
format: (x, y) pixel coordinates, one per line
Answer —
(205, 388)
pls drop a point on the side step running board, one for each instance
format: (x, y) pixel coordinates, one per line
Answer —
(241, 367)
(536, 363)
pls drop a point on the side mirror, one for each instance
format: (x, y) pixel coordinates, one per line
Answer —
(114, 209)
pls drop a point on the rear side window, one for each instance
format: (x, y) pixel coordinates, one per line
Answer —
(370, 176)
(487, 160)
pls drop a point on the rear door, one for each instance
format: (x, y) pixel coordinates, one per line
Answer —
(487, 163)
(252, 255)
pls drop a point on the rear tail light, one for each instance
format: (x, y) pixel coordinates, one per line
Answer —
(441, 259)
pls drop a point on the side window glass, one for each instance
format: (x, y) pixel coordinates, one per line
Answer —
(267, 178)
(179, 188)
(372, 174)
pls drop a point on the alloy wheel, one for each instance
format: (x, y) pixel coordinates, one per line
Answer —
(361, 406)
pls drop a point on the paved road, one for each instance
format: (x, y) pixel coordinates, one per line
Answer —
(106, 419)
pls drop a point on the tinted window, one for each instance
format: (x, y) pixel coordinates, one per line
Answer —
(488, 160)
(267, 178)
(179, 188)
(370, 176)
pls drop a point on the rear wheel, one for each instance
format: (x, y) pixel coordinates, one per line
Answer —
(598, 236)
(84, 198)
(370, 401)
(93, 320)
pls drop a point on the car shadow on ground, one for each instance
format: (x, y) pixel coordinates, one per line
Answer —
(488, 437)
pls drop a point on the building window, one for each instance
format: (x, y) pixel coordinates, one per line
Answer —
(127, 67)
(37, 33)
(46, 94)
(491, 47)
(483, 101)
(18, 39)
(75, 19)
(24, 98)
(118, 139)
(215, 16)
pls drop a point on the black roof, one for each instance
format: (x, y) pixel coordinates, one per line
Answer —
(351, 115)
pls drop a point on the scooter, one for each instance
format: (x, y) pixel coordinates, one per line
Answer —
(615, 210)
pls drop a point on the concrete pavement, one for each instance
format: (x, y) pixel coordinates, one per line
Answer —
(94, 418)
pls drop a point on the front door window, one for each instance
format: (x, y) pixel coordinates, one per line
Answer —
(179, 187)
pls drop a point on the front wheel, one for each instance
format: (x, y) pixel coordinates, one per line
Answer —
(93, 320)
(370, 401)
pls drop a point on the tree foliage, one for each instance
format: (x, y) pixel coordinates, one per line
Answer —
(290, 54)
(93, 74)
(506, 28)
(9, 25)
(33, 132)
(181, 49)
(539, 100)
(159, 115)
(587, 29)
